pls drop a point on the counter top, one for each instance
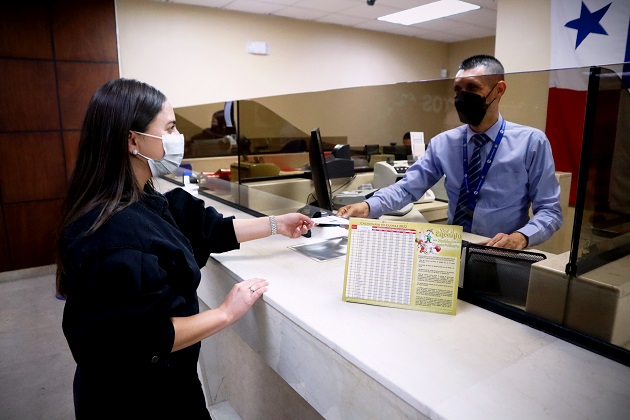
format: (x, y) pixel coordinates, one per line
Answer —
(360, 361)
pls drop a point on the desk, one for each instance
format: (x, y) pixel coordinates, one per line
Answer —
(434, 212)
(369, 362)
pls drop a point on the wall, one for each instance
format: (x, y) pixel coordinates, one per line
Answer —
(53, 55)
(458, 51)
(196, 55)
(523, 45)
(523, 34)
(199, 56)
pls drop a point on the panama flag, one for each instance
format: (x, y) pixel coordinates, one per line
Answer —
(584, 33)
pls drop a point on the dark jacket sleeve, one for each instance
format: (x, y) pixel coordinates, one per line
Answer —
(206, 229)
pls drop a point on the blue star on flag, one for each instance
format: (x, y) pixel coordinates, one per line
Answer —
(588, 23)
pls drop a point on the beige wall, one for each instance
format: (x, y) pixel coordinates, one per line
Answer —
(523, 45)
(523, 34)
(196, 55)
(458, 51)
(179, 48)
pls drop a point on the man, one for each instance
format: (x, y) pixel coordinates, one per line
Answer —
(508, 167)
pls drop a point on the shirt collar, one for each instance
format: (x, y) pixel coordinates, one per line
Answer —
(154, 200)
(492, 132)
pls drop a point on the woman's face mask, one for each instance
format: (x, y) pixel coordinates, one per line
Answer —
(173, 145)
(472, 107)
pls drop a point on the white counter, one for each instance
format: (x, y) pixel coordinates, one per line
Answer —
(359, 361)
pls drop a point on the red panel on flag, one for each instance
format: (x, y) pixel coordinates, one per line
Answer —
(565, 125)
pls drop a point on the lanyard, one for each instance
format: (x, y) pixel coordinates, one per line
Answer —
(472, 198)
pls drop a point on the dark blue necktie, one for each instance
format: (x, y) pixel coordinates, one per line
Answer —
(463, 215)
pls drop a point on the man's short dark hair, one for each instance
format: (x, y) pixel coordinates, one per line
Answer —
(493, 65)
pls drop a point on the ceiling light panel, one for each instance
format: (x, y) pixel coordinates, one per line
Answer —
(427, 12)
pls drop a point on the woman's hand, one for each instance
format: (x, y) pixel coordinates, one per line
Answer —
(242, 296)
(293, 225)
(192, 329)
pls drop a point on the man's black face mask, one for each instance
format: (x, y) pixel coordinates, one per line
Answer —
(472, 107)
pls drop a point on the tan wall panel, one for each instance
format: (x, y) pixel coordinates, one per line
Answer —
(85, 30)
(29, 99)
(36, 80)
(5, 261)
(31, 231)
(77, 83)
(33, 166)
(25, 31)
(70, 149)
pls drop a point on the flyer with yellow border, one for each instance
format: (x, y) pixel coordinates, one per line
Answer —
(407, 265)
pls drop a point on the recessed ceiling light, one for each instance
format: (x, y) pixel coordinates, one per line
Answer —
(431, 11)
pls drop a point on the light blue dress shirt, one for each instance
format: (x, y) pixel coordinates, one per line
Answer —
(522, 173)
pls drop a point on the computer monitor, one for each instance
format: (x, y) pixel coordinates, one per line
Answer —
(319, 172)
(400, 151)
(228, 114)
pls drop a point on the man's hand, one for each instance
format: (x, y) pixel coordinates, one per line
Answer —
(514, 240)
(361, 209)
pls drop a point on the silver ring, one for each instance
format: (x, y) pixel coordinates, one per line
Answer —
(252, 288)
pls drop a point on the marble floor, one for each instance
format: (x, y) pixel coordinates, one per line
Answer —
(36, 366)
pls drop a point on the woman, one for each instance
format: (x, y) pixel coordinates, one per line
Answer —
(129, 260)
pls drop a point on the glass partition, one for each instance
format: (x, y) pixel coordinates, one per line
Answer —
(262, 167)
(601, 230)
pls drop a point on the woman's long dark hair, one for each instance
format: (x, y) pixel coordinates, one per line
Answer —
(103, 175)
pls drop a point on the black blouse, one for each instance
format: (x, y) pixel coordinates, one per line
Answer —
(123, 284)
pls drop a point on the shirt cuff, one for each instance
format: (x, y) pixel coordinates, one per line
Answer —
(524, 235)
(375, 208)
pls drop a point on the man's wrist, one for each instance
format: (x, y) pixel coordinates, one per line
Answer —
(526, 238)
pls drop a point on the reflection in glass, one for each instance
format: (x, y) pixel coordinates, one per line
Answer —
(268, 152)
(601, 231)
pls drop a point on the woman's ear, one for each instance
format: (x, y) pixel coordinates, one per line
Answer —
(132, 141)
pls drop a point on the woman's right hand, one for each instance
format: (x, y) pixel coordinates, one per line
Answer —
(242, 296)
(192, 329)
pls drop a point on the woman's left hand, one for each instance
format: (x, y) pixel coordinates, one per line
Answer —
(293, 225)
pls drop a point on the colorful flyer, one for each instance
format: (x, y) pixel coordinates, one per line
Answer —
(405, 265)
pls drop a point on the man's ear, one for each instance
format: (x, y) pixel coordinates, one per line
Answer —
(501, 87)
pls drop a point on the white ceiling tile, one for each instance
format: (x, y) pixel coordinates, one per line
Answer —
(333, 6)
(300, 13)
(283, 2)
(356, 13)
(206, 3)
(343, 20)
(252, 6)
(371, 12)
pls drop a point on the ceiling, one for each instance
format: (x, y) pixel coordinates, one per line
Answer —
(358, 14)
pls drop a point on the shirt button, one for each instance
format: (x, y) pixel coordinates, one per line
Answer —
(154, 359)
